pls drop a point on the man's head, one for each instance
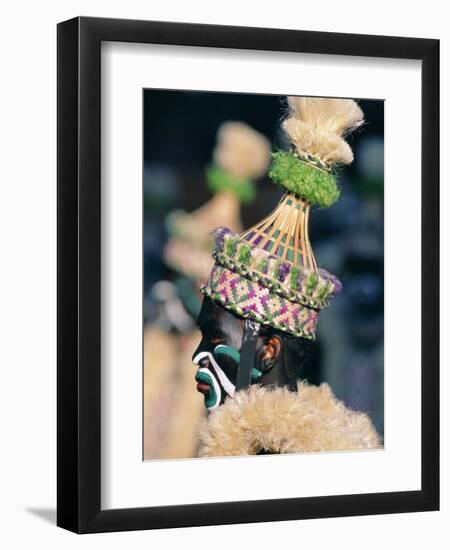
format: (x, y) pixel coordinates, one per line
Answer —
(279, 356)
(268, 274)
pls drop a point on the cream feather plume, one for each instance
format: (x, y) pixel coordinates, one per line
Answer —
(317, 127)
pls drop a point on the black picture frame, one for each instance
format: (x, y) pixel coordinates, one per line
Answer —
(79, 275)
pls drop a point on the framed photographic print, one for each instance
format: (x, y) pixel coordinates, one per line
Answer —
(248, 290)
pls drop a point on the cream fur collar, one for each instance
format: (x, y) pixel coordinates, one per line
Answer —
(280, 421)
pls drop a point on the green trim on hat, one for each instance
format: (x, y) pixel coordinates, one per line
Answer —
(313, 184)
(299, 284)
(300, 296)
(219, 180)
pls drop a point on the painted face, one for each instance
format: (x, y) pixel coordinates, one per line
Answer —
(217, 356)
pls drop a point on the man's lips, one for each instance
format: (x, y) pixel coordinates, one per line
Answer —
(203, 385)
(203, 388)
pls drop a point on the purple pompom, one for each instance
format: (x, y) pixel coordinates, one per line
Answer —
(219, 235)
(337, 285)
(283, 271)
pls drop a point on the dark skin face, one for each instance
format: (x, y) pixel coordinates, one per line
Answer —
(220, 327)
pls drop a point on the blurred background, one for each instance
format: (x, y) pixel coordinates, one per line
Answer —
(180, 133)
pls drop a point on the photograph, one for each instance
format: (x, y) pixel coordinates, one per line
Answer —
(263, 291)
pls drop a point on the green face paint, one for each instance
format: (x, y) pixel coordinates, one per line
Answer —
(212, 398)
(222, 350)
(229, 351)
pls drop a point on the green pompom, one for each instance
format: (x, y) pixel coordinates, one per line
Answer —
(316, 186)
(295, 272)
(244, 253)
(262, 265)
(311, 283)
(231, 245)
(324, 291)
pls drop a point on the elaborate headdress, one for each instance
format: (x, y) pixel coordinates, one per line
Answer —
(241, 156)
(268, 273)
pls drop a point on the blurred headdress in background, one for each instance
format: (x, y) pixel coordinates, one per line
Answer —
(241, 156)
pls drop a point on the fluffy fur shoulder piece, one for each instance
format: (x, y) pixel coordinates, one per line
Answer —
(280, 421)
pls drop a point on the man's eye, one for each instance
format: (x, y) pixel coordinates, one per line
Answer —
(216, 340)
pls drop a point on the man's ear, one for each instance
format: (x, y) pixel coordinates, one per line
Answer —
(270, 352)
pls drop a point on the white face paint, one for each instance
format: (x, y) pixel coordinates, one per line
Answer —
(227, 385)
